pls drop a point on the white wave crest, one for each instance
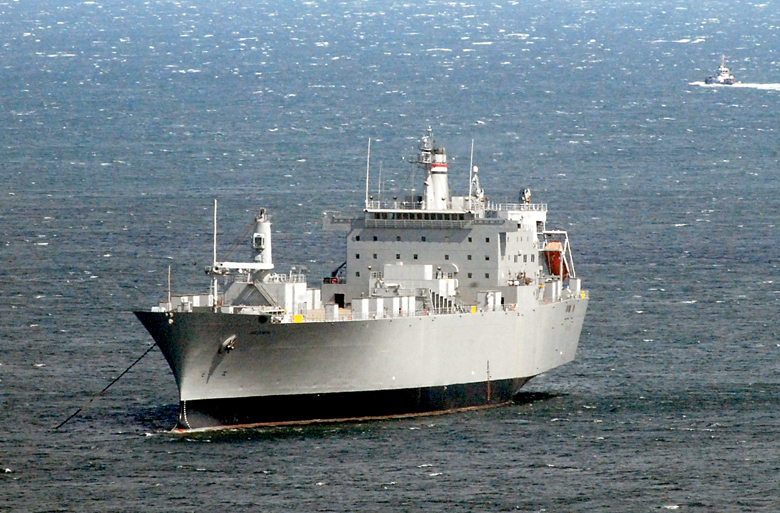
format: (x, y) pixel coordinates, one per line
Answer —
(765, 87)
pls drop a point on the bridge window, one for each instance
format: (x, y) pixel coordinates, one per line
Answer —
(487, 257)
(469, 275)
(469, 257)
(487, 239)
(357, 256)
(357, 237)
(415, 256)
(446, 257)
(398, 237)
(357, 274)
(398, 256)
(375, 238)
(374, 256)
(487, 275)
(423, 238)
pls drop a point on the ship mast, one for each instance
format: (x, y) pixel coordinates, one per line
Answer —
(214, 282)
(471, 171)
(368, 167)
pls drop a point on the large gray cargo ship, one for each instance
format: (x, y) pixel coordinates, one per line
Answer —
(444, 303)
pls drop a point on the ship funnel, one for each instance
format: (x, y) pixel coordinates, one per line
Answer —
(434, 161)
(261, 239)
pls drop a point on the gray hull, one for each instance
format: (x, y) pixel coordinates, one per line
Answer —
(355, 369)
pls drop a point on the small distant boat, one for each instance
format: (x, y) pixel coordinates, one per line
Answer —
(723, 75)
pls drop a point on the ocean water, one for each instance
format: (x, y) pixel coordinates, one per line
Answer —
(121, 122)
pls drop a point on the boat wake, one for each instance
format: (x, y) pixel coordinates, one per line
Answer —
(766, 87)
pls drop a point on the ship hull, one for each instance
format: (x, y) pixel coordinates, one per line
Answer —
(310, 371)
(344, 406)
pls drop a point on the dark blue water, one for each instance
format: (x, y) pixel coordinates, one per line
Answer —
(121, 122)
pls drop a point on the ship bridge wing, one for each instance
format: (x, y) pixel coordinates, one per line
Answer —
(333, 221)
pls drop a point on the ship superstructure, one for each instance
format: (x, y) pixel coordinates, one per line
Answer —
(444, 302)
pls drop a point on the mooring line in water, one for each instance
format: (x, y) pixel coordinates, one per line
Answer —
(107, 387)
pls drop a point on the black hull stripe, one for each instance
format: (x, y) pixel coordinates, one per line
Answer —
(313, 408)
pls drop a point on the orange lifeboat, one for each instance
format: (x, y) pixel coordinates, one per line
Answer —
(552, 252)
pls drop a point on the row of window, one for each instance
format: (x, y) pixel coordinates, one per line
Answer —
(487, 275)
(447, 257)
(419, 216)
(423, 239)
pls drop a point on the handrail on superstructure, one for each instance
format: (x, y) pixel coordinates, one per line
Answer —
(525, 207)
(374, 205)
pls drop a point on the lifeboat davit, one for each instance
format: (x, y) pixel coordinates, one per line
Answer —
(553, 252)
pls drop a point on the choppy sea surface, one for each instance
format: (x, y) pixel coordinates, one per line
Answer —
(121, 122)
